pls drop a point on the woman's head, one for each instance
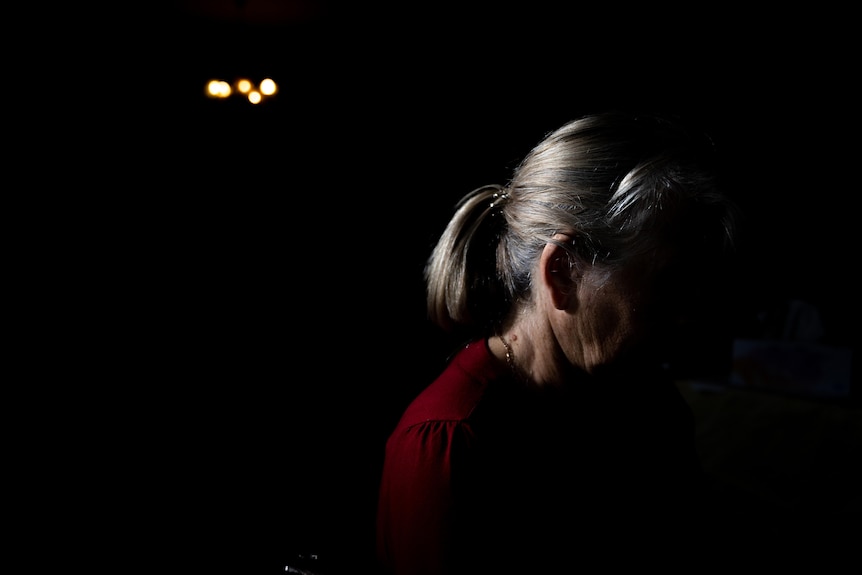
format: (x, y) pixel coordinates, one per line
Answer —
(615, 192)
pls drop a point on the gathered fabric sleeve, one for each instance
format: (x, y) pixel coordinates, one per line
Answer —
(416, 505)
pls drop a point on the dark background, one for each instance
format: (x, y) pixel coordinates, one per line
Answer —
(260, 266)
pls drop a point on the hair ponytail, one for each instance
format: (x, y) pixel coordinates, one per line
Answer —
(462, 281)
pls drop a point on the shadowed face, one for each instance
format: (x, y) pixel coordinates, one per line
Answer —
(641, 309)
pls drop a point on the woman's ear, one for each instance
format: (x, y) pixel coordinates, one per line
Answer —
(557, 273)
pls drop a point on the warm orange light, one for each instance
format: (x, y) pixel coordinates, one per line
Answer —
(222, 90)
(268, 87)
(218, 89)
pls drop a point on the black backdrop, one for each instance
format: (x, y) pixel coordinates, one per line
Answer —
(273, 253)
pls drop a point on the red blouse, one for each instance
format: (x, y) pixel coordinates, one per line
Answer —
(482, 473)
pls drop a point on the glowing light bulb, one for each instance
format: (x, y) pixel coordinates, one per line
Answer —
(268, 87)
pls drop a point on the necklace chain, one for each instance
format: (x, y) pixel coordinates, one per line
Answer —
(510, 361)
(510, 355)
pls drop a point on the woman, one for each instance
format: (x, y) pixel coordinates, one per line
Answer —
(555, 427)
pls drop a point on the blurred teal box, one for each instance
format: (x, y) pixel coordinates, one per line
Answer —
(804, 369)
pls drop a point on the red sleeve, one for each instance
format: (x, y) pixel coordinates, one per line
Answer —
(415, 506)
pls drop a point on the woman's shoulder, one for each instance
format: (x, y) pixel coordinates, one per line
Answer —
(456, 392)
